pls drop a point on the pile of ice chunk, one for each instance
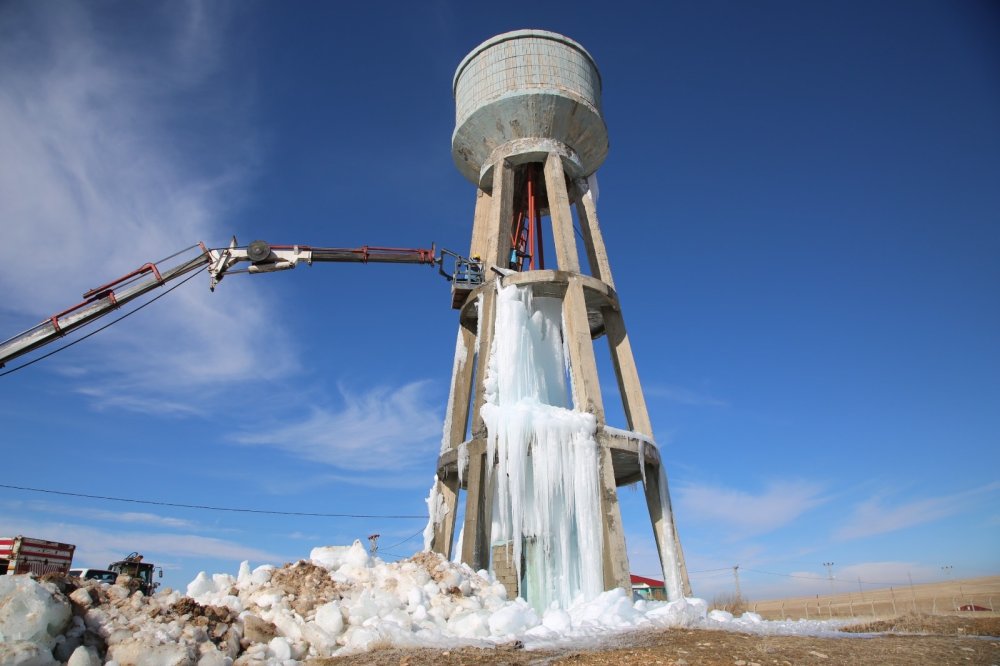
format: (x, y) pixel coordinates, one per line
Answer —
(340, 600)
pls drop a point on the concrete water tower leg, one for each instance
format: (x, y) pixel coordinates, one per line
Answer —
(633, 400)
(480, 222)
(475, 538)
(490, 233)
(444, 532)
(587, 397)
(664, 528)
(562, 217)
(478, 512)
(593, 240)
(459, 397)
(498, 225)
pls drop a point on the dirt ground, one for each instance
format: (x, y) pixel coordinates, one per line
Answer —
(921, 640)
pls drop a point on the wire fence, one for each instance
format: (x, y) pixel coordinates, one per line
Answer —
(884, 605)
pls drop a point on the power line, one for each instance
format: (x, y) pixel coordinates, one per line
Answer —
(213, 508)
(400, 543)
(819, 578)
(98, 330)
(772, 573)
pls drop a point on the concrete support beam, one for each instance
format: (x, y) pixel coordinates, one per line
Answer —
(616, 573)
(480, 223)
(444, 532)
(664, 528)
(478, 507)
(627, 374)
(497, 250)
(593, 240)
(460, 394)
(459, 397)
(474, 478)
(562, 217)
(587, 397)
(487, 323)
(580, 347)
(494, 229)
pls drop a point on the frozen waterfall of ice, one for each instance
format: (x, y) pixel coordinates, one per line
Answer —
(546, 480)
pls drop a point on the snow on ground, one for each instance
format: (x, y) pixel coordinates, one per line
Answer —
(339, 601)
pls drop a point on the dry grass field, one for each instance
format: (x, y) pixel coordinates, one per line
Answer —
(950, 597)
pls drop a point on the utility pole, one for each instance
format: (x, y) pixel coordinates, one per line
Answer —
(373, 544)
(947, 570)
(829, 574)
(736, 576)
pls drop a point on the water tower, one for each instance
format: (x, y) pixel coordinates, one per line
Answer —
(525, 435)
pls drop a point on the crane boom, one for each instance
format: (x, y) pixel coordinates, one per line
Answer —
(259, 256)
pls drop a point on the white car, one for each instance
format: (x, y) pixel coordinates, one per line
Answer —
(101, 575)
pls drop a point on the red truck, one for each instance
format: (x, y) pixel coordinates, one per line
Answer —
(21, 554)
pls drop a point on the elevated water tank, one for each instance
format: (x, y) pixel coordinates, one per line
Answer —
(522, 95)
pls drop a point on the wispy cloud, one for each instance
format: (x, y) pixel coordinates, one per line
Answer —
(878, 515)
(106, 398)
(129, 517)
(97, 547)
(683, 395)
(94, 172)
(746, 513)
(383, 429)
(417, 478)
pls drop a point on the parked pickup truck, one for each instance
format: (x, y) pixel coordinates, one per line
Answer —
(21, 554)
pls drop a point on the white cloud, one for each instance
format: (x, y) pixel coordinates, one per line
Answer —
(95, 181)
(97, 547)
(745, 513)
(131, 517)
(383, 429)
(877, 516)
(683, 396)
(106, 398)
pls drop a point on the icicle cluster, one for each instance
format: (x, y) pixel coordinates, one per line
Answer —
(547, 496)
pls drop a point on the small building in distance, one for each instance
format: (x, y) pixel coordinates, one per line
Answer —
(647, 588)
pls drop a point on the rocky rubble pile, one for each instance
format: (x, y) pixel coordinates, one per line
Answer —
(58, 619)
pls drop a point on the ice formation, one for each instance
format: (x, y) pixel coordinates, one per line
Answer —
(547, 493)
(341, 600)
(437, 509)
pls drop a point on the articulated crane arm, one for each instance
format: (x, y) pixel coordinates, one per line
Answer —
(258, 257)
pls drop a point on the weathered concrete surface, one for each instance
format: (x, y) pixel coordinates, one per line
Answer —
(529, 86)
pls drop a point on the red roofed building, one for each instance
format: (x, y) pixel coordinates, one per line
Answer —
(647, 588)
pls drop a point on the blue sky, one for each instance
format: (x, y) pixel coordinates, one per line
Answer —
(800, 203)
